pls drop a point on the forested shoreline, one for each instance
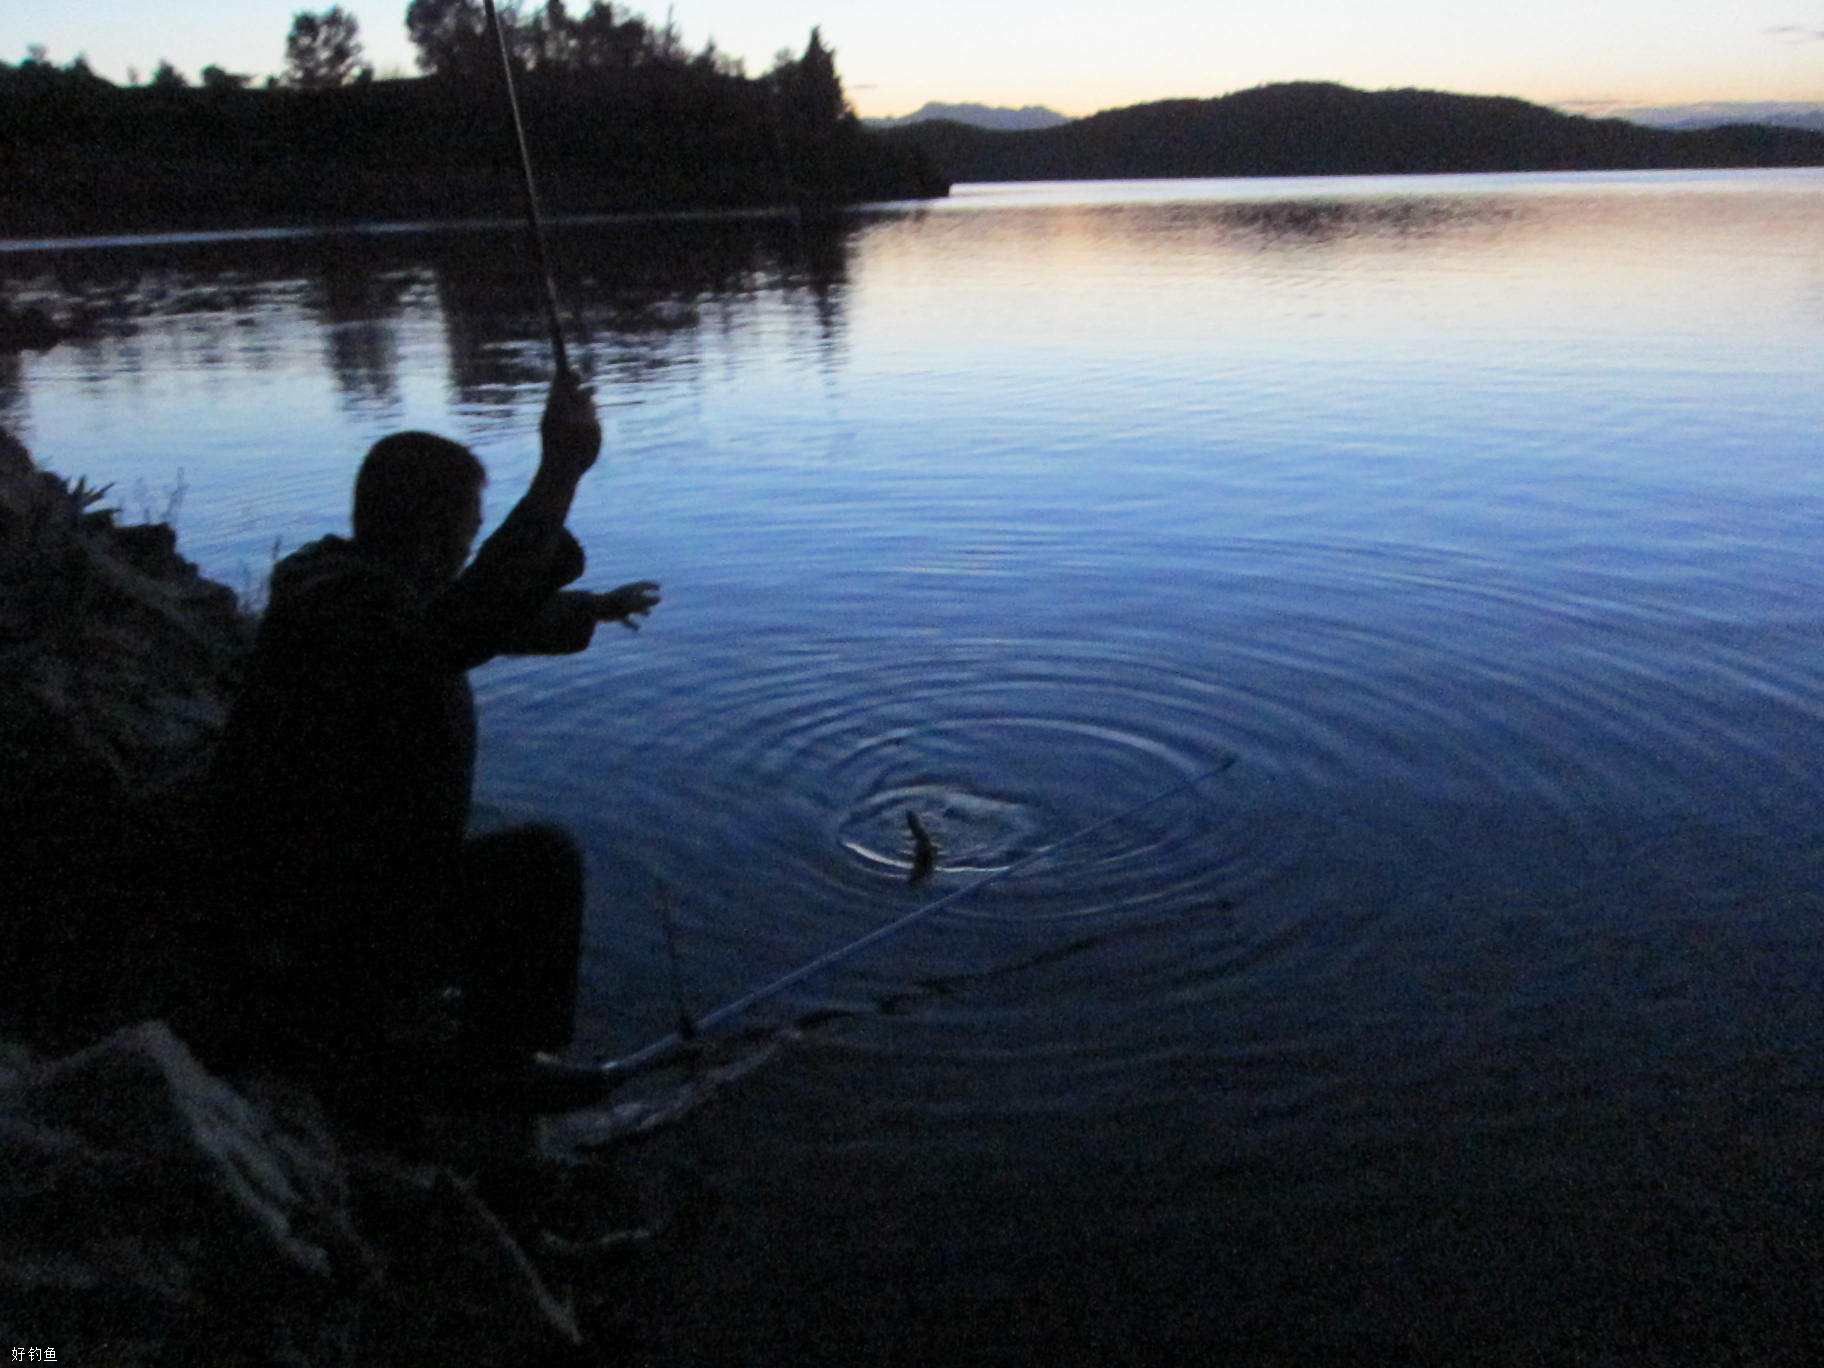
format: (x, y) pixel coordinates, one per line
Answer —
(618, 115)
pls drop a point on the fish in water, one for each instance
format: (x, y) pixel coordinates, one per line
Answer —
(924, 849)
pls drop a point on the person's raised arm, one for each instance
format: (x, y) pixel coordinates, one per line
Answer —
(517, 567)
(570, 439)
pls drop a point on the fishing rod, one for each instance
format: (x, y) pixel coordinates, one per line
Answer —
(540, 256)
(661, 1050)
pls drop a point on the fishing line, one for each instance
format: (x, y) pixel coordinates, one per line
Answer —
(655, 1054)
(687, 1024)
(689, 1029)
(541, 258)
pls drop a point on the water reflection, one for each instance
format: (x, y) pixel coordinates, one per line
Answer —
(1303, 222)
(357, 301)
(640, 291)
(1208, 233)
(1481, 523)
(12, 390)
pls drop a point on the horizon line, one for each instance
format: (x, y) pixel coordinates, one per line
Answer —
(1610, 106)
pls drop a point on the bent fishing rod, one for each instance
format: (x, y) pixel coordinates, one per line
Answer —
(662, 1050)
(541, 258)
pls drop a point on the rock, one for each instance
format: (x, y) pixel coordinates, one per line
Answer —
(114, 642)
(27, 329)
(117, 664)
(458, 1288)
(151, 549)
(15, 461)
(149, 1210)
(150, 1213)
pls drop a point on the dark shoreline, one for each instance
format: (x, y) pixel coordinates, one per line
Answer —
(88, 158)
(393, 228)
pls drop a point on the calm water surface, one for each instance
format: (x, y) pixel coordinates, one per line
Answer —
(1472, 1015)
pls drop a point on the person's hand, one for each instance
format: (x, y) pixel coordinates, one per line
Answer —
(571, 434)
(624, 604)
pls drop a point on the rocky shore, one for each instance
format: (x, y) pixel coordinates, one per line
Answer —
(150, 1211)
(27, 329)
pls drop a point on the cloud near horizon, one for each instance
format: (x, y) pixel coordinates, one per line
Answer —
(1797, 33)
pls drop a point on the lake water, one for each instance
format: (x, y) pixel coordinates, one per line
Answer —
(1473, 1014)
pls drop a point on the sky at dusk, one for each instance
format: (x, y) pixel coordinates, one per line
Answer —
(1078, 57)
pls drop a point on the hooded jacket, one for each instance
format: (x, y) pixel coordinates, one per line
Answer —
(342, 784)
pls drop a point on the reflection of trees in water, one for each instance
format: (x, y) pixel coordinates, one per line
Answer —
(821, 269)
(1306, 221)
(643, 291)
(357, 298)
(364, 359)
(217, 304)
(12, 392)
(128, 307)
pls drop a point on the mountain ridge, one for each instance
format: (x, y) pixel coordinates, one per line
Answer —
(1322, 128)
(1003, 117)
(1716, 113)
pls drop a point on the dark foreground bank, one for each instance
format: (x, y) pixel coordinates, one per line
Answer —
(152, 1212)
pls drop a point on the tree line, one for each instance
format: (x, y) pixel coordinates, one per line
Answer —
(621, 115)
(324, 50)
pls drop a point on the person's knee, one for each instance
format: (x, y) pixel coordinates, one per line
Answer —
(552, 848)
(539, 853)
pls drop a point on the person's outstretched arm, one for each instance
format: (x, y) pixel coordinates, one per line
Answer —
(567, 621)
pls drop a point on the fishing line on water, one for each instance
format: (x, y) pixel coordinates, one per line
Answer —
(660, 1051)
(689, 1028)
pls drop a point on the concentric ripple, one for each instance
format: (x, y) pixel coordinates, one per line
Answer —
(1365, 683)
(999, 750)
(970, 833)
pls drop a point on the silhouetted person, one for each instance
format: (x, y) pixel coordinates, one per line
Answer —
(354, 896)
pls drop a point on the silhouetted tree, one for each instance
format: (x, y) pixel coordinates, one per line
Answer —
(717, 62)
(168, 77)
(323, 50)
(817, 134)
(37, 73)
(607, 44)
(666, 44)
(37, 70)
(452, 36)
(215, 78)
(550, 40)
(809, 87)
(820, 98)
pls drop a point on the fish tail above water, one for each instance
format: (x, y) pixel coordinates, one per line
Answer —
(924, 849)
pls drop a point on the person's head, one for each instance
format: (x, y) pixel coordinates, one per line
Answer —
(418, 503)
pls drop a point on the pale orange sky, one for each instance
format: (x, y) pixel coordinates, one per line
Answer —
(1078, 57)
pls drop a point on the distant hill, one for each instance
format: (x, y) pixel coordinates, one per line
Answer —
(977, 116)
(1317, 129)
(1777, 113)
